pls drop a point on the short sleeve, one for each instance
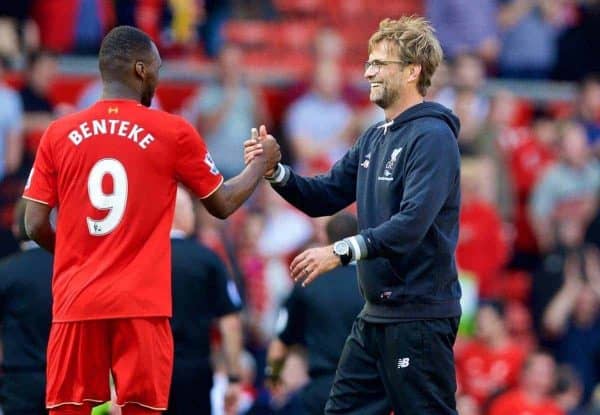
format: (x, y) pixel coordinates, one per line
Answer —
(195, 167)
(41, 185)
(291, 319)
(226, 298)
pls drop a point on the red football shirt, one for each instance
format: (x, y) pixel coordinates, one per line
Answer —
(516, 403)
(483, 371)
(112, 172)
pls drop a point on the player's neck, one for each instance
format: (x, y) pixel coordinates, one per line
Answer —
(119, 91)
(402, 104)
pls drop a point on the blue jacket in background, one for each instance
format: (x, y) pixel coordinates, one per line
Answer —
(405, 177)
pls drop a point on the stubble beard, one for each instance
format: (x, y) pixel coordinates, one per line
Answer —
(383, 98)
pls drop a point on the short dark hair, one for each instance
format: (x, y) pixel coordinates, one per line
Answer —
(341, 225)
(121, 47)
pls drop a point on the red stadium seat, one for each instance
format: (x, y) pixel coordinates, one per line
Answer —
(248, 34)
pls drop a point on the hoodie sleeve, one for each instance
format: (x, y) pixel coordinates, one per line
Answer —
(321, 195)
(432, 171)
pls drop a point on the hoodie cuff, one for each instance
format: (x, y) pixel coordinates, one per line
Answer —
(358, 246)
(280, 176)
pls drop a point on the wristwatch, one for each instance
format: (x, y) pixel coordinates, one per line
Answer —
(342, 249)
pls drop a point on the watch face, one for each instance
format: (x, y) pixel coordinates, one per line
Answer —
(341, 248)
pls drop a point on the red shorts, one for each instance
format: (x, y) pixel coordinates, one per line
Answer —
(137, 351)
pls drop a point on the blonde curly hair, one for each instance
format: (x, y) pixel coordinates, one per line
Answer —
(413, 39)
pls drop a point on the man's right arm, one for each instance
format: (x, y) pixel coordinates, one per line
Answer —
(197, 171)
(37, 224)
(235, 191)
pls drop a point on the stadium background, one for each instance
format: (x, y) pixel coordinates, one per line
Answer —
(522, 75)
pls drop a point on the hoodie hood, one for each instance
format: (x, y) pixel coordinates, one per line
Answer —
(428, 110)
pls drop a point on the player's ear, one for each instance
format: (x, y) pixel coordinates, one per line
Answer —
(413, 72)
(140, 69)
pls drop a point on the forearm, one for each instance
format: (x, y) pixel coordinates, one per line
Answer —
(558, 311)
(316, 196)
(43, 235)
(231, 331)
(238, 189)
(275, 358)
(277, 351)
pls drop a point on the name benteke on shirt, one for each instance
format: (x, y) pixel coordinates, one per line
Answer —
(122, 128)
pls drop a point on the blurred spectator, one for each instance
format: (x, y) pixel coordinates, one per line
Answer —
(572, 319)
(569, 188)
(283, 398)
(488, 143)
(574, 62)
(441, 78)
(11, 127)
(328, 45)
(529, 31)
(549, 278)
(568, 391)
(93, 92)
(465, 97)
(19, 34)
(588, 109)
(466, 405)
(225, 111)
(316, 124)
(482, 245)
(42, 68)
(533, 395)
(526, 152)
(25, 316)
(319, 320)
(73, 25)
(215, 14)
(491, 362)
(202, 293)
(285, 229)
(465, 27)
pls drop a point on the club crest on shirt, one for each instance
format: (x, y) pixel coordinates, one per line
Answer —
(367, 161)
(211, 164)
(113, 110)
(393, 158)
(389, 166)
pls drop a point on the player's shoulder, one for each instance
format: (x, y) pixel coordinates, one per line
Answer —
(167, 119)
(72, 119)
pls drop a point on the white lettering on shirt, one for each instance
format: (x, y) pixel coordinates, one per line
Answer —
(121, 128)
(146, 141)
(99, 127)
(85, 130)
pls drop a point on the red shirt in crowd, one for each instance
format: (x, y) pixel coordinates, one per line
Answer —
(112, 172)
(527, 159)
(483, 371)
(516, 403)
(482, 247)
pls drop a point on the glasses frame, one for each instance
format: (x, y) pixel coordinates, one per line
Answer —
(377, 64)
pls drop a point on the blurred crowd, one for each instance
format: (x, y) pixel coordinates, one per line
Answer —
(529, 245)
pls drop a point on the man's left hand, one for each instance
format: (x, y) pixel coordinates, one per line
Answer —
(313, 262)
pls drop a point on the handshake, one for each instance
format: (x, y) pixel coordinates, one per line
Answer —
(262, 148)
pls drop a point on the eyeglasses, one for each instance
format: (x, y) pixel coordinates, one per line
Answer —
(376, 65)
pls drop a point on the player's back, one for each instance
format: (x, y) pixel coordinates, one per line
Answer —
(116, 167)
